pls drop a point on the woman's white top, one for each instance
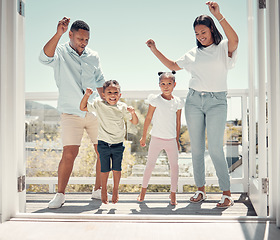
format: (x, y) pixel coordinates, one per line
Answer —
(208, 67)
(164, 118)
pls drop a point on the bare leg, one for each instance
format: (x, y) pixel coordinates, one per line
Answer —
(117, 178)
(66, 165)
(173, 198)
(142, 194)
(104, 179)
(97, 184)
(202, 189)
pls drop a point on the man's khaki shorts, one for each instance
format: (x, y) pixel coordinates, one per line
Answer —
(73, 128)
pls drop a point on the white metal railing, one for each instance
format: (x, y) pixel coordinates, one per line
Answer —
(130, 94)
(143, 94)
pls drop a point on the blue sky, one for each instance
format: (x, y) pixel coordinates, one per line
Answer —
(119, 30)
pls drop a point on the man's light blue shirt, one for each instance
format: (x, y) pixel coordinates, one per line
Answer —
(73, 75)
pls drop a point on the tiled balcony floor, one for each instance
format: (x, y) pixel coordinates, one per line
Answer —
(154, 204)
(87, 219)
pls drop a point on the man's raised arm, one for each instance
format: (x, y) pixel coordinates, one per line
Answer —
(50, 46)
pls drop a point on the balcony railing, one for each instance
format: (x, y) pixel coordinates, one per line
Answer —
(43, 146)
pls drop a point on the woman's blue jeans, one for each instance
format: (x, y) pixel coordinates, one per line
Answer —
(207, 110)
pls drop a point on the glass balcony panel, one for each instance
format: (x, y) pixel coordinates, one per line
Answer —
(44, 148)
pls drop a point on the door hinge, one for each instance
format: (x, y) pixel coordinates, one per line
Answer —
(265, 185)
(21, 183)
(21, 8)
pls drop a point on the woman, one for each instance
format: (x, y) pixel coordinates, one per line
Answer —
(206, 103)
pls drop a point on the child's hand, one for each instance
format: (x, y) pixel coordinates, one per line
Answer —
(89, 91)
(143, 142)
(131, 109)
(151, 44)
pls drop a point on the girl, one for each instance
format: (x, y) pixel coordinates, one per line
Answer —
(165, 110)
(206, 103)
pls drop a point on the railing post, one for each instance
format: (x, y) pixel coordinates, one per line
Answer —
(245, 143)
(180, 186)
(51, 187)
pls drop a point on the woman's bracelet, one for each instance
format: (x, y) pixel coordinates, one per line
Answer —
(223, 18)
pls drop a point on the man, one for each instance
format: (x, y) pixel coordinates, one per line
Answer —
(75, 68)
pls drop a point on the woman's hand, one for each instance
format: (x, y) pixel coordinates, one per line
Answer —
(172, 65)
(229, 31)
(151, 44)
(214, 9)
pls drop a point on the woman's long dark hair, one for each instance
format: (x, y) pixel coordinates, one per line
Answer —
(208, 22)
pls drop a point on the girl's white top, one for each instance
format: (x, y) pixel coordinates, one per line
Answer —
(208, 67)
(164, 118)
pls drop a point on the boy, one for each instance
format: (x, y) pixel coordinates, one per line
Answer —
(111, 115)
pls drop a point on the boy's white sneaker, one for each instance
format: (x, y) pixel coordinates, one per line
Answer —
(97, 194)
(57, 201)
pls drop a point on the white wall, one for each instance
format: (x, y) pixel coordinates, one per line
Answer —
(1, 167)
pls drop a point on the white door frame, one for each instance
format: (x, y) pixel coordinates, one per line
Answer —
(269, 162)
(12, 100)
(257, 197)
(12, 109)
(273, 65)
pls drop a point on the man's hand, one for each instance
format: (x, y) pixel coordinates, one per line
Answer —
(63, 25)
(51, 45)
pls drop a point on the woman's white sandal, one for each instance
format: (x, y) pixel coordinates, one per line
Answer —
(224, 197)
(195, 196)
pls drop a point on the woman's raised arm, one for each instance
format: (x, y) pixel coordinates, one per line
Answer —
(167, 62)
(229, 31)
